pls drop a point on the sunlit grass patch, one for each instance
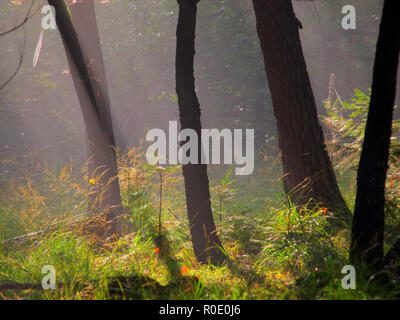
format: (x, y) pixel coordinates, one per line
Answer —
(274, 250)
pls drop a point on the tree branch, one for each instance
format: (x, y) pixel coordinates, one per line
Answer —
(27, 17)
(21, 57)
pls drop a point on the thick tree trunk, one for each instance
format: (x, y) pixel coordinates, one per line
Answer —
(308, 171)
(88, 73)
(202, 227)
(368, 220)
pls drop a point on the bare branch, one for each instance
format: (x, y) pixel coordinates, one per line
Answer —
(27, 17)
(21, 57)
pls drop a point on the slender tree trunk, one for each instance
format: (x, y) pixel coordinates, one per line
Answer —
(308, 171)
(368, 220)
(85, 60)
(202, 227)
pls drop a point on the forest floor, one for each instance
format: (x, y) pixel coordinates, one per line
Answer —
(274, 251)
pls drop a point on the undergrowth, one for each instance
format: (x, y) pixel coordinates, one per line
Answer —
(274, 250)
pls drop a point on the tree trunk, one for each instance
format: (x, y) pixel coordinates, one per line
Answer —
(307, 169)
(368, 220)
(85, 60)
(202, 227)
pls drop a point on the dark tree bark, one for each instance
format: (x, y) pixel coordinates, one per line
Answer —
(368, 220)
(85, 60)
(307, 169)
(202, 227)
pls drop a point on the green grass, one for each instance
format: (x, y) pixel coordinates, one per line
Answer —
(274, 250)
